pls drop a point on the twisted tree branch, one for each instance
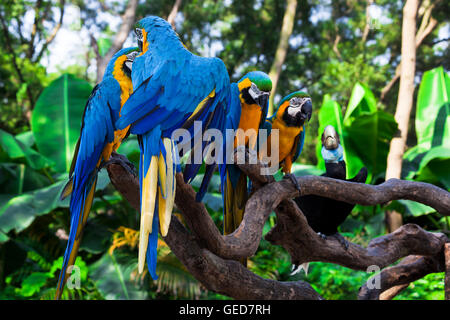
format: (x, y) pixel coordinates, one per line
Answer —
(408, 270)
(209, 255)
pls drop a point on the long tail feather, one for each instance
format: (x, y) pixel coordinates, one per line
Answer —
(149, 188)
(152, 252)
(76, 230)
(166, 203)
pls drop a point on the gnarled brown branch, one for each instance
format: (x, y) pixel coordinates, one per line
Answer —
(408, 270)
(210, 256)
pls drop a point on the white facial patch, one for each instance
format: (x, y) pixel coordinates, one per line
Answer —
(293, 110)
(129, 64)
(253, 91)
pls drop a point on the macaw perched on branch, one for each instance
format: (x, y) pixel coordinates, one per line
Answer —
(324, 215)
(98, 139)
(249, 103)
(172, 88)
(292, 112)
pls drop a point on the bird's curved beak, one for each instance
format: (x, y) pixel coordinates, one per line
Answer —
(306, 110)
(330, 138)
(262, 99)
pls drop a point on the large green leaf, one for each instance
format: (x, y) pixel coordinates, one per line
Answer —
(433, 109)
(369, 136)
(361, 101)
(430, 159)
(16, 149)
(416, 208)
(56, 118)
(19, 212)
(17, 178)
(330, 114)
(113, 279)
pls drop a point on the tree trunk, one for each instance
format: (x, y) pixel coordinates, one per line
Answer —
(427, 25)
(121, 36)
(404, 102)
(173, 13)
(283, 45)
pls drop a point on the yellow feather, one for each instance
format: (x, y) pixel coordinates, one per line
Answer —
(200, 105)
(165, 210)
(162, 175)
(149, 188)
(67, 191)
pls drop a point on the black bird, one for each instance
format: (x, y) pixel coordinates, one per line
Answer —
(324, 215)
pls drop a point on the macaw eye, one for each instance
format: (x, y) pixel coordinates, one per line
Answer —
(295, 102)
(139, 34)
(132, 55)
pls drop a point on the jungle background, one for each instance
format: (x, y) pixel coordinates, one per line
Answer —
(346, 54)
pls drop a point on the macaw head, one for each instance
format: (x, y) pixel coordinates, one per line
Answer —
(151, 27)
(125, 58)
(330, 138)
(255, 88)
(295, 109)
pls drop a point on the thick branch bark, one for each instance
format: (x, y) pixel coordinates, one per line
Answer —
(205, 250)
(408, 270)
(223, 276)
(230, 277)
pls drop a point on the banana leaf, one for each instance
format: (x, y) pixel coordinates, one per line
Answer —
(56, 119)
(433, 109)
(361, 101)
(430, 159)
(13, 148)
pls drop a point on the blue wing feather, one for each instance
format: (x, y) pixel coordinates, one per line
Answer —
(299, 146)
(96, 131)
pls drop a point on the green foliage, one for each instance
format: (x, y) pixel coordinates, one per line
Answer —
(430, 287)
(364, 132)
(335, 282)
(429, 160)
(56, 119)
(327, 57)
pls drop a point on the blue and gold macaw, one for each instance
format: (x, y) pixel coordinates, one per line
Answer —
(292, 113)
(98, 139)
(172, 89)
(249, 104)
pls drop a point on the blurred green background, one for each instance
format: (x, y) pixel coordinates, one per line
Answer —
(343, 53)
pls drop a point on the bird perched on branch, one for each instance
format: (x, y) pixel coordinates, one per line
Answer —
(249, 104)
(292, 113)
(172, 89)
(325, 215)
(99, 138)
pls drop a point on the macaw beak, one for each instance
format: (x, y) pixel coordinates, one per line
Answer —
(306, 110)
(140, 44)
(262, 100)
